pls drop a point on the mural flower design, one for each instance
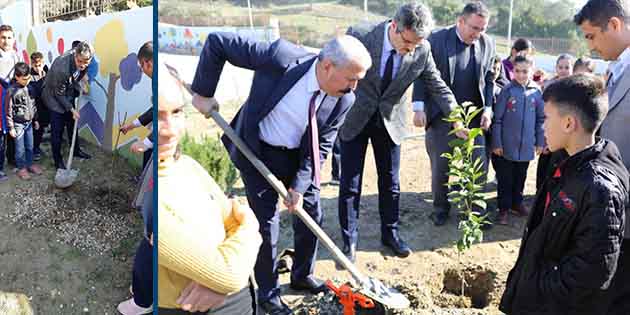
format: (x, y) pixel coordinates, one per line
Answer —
(60, 47)
(130, 72)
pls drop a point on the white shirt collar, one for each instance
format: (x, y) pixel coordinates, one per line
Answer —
(312, 85)
(621, 64)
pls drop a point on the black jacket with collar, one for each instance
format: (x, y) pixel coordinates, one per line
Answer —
(571, 243)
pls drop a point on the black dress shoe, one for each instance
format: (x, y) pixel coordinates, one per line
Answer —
(275, 306)
(310, 284)
(439, 218)
(82, 155)
(396, 244)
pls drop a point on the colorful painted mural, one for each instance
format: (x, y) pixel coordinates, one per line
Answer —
(189, 40)
(117, 86)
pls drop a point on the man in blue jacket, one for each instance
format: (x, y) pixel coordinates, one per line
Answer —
(290, 120)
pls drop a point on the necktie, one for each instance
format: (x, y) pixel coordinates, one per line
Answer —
(389, 71)
(314, 136)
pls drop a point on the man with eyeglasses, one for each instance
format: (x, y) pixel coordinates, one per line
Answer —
(61, 87)
(379, 116)
(464, 55)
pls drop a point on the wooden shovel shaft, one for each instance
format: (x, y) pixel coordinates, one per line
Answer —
(282, 191)
(74, 134)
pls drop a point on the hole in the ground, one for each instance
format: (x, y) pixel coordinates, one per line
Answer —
(479, 283)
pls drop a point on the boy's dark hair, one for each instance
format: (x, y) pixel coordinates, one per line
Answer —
(583, 95)
(146, 51)
(476, 7)
(21, 69)
(6, 28)
(36, 56)
(599, 12)
(584, 62)
(522, 44)
(523, 59)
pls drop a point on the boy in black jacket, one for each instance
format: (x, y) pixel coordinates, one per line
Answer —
(571, 243)
(38, 74)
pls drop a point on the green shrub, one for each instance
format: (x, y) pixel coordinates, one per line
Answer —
(211, 154)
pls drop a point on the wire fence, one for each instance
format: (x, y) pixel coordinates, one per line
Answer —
(313, 23)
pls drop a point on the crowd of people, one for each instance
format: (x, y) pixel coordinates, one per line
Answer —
(35, 97)
(574, 256)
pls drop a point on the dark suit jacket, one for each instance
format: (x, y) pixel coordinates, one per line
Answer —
(60, 89)
(277, 67)
(443, 44)
(146, 117)
(392, 104)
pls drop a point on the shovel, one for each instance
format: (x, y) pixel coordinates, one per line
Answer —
(65, 178)
(370, 287)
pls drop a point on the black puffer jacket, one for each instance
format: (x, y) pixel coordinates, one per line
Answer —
(571, 243)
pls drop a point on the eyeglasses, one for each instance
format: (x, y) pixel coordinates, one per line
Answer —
(475, 28)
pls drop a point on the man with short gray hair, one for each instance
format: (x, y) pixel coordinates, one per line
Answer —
(61, 87)
(401, 56)
(296, 104)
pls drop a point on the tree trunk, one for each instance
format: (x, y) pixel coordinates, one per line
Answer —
(109, 113)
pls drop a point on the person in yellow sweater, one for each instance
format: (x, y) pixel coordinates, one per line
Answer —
(207, 243)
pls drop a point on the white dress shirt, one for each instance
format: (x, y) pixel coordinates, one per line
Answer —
(285, 125)
(387, 48)
(622, 63)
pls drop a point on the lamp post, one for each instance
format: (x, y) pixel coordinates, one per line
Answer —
(509, 36)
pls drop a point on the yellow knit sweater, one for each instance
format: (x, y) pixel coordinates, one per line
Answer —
(198, 237)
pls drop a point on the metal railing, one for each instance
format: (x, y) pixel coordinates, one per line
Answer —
(51, 10)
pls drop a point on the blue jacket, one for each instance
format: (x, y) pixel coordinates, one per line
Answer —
(518, 121)
(277, 67)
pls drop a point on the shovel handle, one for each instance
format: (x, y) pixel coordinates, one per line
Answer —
(282, 191)
(74, 135)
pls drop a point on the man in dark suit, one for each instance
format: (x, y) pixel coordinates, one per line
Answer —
(61, 87)
(399, 57)
(290, 120)
(606, 28)
(145, 146)
(464, 55)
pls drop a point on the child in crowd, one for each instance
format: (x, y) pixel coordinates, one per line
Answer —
(521, 47)
(38, 74)
(584, 64)
(571, 244)
(517, 135)
(21, 120)
(564, 68)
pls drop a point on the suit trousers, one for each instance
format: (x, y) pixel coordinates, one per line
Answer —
(436, 141)
(387, 158)
(142, 280)
(57, 124)
(263, 200)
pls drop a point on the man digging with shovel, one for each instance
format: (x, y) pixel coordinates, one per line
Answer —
(296, 104)
(61, 89)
